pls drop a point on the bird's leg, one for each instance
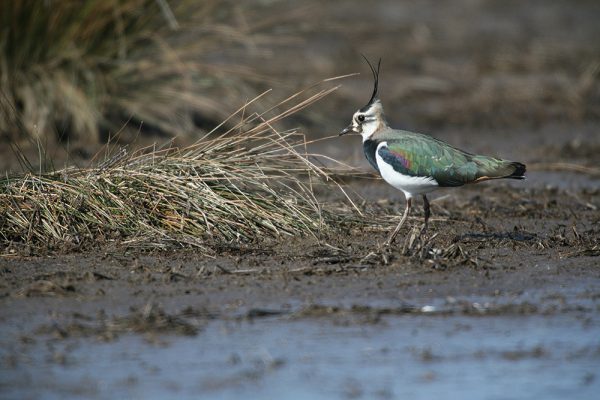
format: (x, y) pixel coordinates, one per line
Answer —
(406, 210)
(427, 211)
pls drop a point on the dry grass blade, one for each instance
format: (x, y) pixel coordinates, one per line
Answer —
(244, 188)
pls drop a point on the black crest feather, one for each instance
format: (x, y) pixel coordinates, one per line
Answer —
(375, 79)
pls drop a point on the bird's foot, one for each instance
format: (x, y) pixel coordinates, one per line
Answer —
(411, 241)
(423, 230)
(417, 244)
(375, 257)
(382, 255)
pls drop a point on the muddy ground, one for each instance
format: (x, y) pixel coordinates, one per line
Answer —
(505, 287)
(499, 300)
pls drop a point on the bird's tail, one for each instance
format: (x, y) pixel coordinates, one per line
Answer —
(494, 168)
(518, 172)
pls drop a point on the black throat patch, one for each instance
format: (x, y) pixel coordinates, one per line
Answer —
(370, 147)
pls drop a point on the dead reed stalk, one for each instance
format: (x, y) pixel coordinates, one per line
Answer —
(248, 184)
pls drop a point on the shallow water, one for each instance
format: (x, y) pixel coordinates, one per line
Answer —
(417, 357)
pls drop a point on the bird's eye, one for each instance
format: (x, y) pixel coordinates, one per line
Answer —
(360, 118)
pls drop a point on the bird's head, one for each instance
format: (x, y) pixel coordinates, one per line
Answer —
(370, 118)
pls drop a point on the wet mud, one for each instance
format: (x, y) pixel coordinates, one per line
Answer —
(505, 286)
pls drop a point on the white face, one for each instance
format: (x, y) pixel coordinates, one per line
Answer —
(367, 122)
(364, 123)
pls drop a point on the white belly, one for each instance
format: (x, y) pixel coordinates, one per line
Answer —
(410, 185)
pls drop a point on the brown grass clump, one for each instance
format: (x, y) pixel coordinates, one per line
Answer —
(78, 70)
(247, 184)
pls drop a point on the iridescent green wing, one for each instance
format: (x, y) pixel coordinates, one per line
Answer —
(414, 154)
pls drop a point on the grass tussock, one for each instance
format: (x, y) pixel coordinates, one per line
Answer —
(245, 185)
(79, 70)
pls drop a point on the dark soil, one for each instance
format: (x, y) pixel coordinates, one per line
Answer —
(491, 240)
(494, 251)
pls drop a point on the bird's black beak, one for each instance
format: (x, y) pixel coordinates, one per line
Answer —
(349, 128)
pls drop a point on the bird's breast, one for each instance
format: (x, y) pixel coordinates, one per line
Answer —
(409, 184)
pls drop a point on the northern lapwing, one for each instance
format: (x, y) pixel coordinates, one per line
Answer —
(417, 164)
